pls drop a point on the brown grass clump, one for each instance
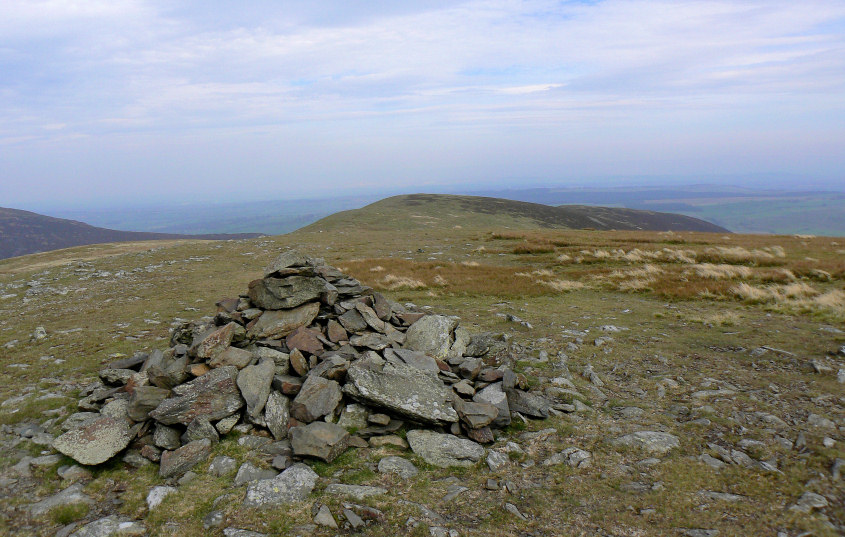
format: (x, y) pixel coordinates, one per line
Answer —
(562, 285)
(720, 272)
(749, 293)
(393, 282)
(678, 256)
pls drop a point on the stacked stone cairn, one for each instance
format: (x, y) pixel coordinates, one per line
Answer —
(312, 363)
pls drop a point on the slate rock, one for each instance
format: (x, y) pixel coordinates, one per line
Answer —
(145, 399)
(432, 335)
(415, 359)
(214, 396)
(335, 332)
(353, 322)
(276, 324)
(233, 356)
(285, 293)
(277, 414)
(248, 472)
(299, 363)
(353, 417)
(401, 389)
(475, 415)
(808, 502)
(177, 462)
(95, 442)
(306, 340)
(254, 382)
(444, 450)
(157, 495)
(116, 377)
(198, 429)
(359, 492)
(292, 485)
(285, 260)
(111, 526)
(317, 398)
(404, 468)
(166, 437)
(324, 441)
(529, 404)
(287, 384)
(222, 465)
(494, 395)
(651, 441)
(217, 341)
(69, 496)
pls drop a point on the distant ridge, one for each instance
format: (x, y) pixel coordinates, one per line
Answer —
(443, 210)
(24, 232)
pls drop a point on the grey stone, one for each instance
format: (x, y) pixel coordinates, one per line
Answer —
(145, 399)
(399, 466)
(198, 429)
(403, 390)
(157, 495)
(497, 461)
(214, 396)
(808, 502)
(277, 414)
(354, 417)
(331, 367)
(279, 358)
(232, 356)
(248, 472)
(117, 409)
(177, 462)
(213, 519)
(78, 419)
(650, 441)
(109, 526)
(698, 532)
(166, 437)
(285, 293)
(222, 465)
(324, 517)
(572, 456)
(228, 423)
(353, 322)
(218, 341)
(494, 395)
(475, 415)
(370, 340)
(414, 359)
(116, 377)
(359, 492)
(318, 397)
(96, 442)
(529, 404)
(285, 260)
(254, 382)
(277, 324)
(71, 495)
(319, 439)
(237, 532)
(444, 450)
(432, 335)
(292, 485)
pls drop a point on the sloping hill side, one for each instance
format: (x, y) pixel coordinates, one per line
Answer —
(441, 210)
(24, 232)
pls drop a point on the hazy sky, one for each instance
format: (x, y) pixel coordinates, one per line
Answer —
(132, 100)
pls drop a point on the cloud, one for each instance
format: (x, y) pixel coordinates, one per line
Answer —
(401, 71)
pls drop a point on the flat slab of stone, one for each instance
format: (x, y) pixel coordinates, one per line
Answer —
(114, 525)
(359, 492)
(213, 396)
(292, 485)
(651, 441)
(285, 293)
(432, 335)
(276, 324)
(319, 439)
(317, 397)
(95, 442)
(179, 461)
(397, 465)
(69, 496)
(254, 382)
(444, 450)
(402, 389)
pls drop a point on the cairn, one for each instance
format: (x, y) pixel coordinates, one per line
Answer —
(313, 362)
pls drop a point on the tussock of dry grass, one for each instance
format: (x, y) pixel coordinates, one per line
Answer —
(393, 282)
(679, 256)
(720, 272)
(562, 285)
(377, 268)
(470, 263)
(564, 258)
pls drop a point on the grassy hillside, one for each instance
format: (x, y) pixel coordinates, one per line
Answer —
(708, 336)
(24, 232)
(442, 211)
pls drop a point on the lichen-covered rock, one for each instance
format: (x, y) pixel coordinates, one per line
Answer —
(254, 382)
(285, 293)
(318, 397)
(214, 395)
(651, 441)
(292, 485)
(324, 441)
(176, 463)
(95, 442)
(444, 450)
(405, 390)
(276, 324)
(277, 414)
(432, 335)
